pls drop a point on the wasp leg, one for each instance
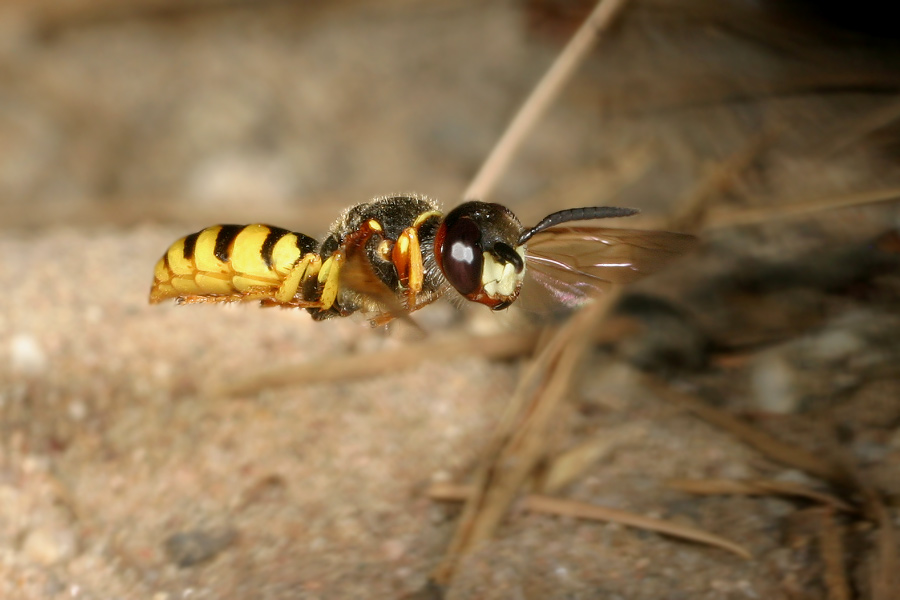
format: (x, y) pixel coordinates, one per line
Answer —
(329, 278)
(261, 293)
(304, 269)
(195, 299)
(349, 268)
(407, 259)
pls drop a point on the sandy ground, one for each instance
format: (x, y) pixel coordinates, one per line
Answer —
(111, 447)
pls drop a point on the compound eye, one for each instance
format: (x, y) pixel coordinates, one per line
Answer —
(461, 256)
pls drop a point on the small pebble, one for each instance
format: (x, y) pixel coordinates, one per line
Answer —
(774, 386)
(26, 355)
(777, 507)
(77, 410)
(188, 548)
(48, 546)
(393, 550)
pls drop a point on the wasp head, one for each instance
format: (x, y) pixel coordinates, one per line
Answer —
(477, 249)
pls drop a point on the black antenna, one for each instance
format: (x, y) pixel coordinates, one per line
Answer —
(576, 214)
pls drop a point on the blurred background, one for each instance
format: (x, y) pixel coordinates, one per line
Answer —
(222, 109)
(164, 111)
(125, 125)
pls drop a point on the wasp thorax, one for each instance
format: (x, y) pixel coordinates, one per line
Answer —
(476, 249)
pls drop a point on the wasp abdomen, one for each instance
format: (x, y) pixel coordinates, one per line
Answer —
(229, 262)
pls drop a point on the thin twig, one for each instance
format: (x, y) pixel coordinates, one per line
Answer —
(566, 467)
(831, 547)
(884, 565)
(885, 581)
(583, 510)
(541, 98)
(757, 487)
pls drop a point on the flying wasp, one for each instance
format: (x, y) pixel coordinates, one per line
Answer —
(393, 255)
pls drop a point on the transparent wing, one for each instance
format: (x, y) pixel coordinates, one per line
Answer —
(570, 265)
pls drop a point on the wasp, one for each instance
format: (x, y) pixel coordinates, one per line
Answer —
(391, 256)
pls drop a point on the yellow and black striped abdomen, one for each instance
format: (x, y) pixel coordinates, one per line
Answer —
(229, 262)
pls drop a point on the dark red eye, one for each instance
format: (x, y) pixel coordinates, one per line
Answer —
(461, 255)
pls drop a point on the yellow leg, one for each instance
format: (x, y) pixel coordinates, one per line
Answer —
(407, 259)
(305, 268)
(330, 276)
